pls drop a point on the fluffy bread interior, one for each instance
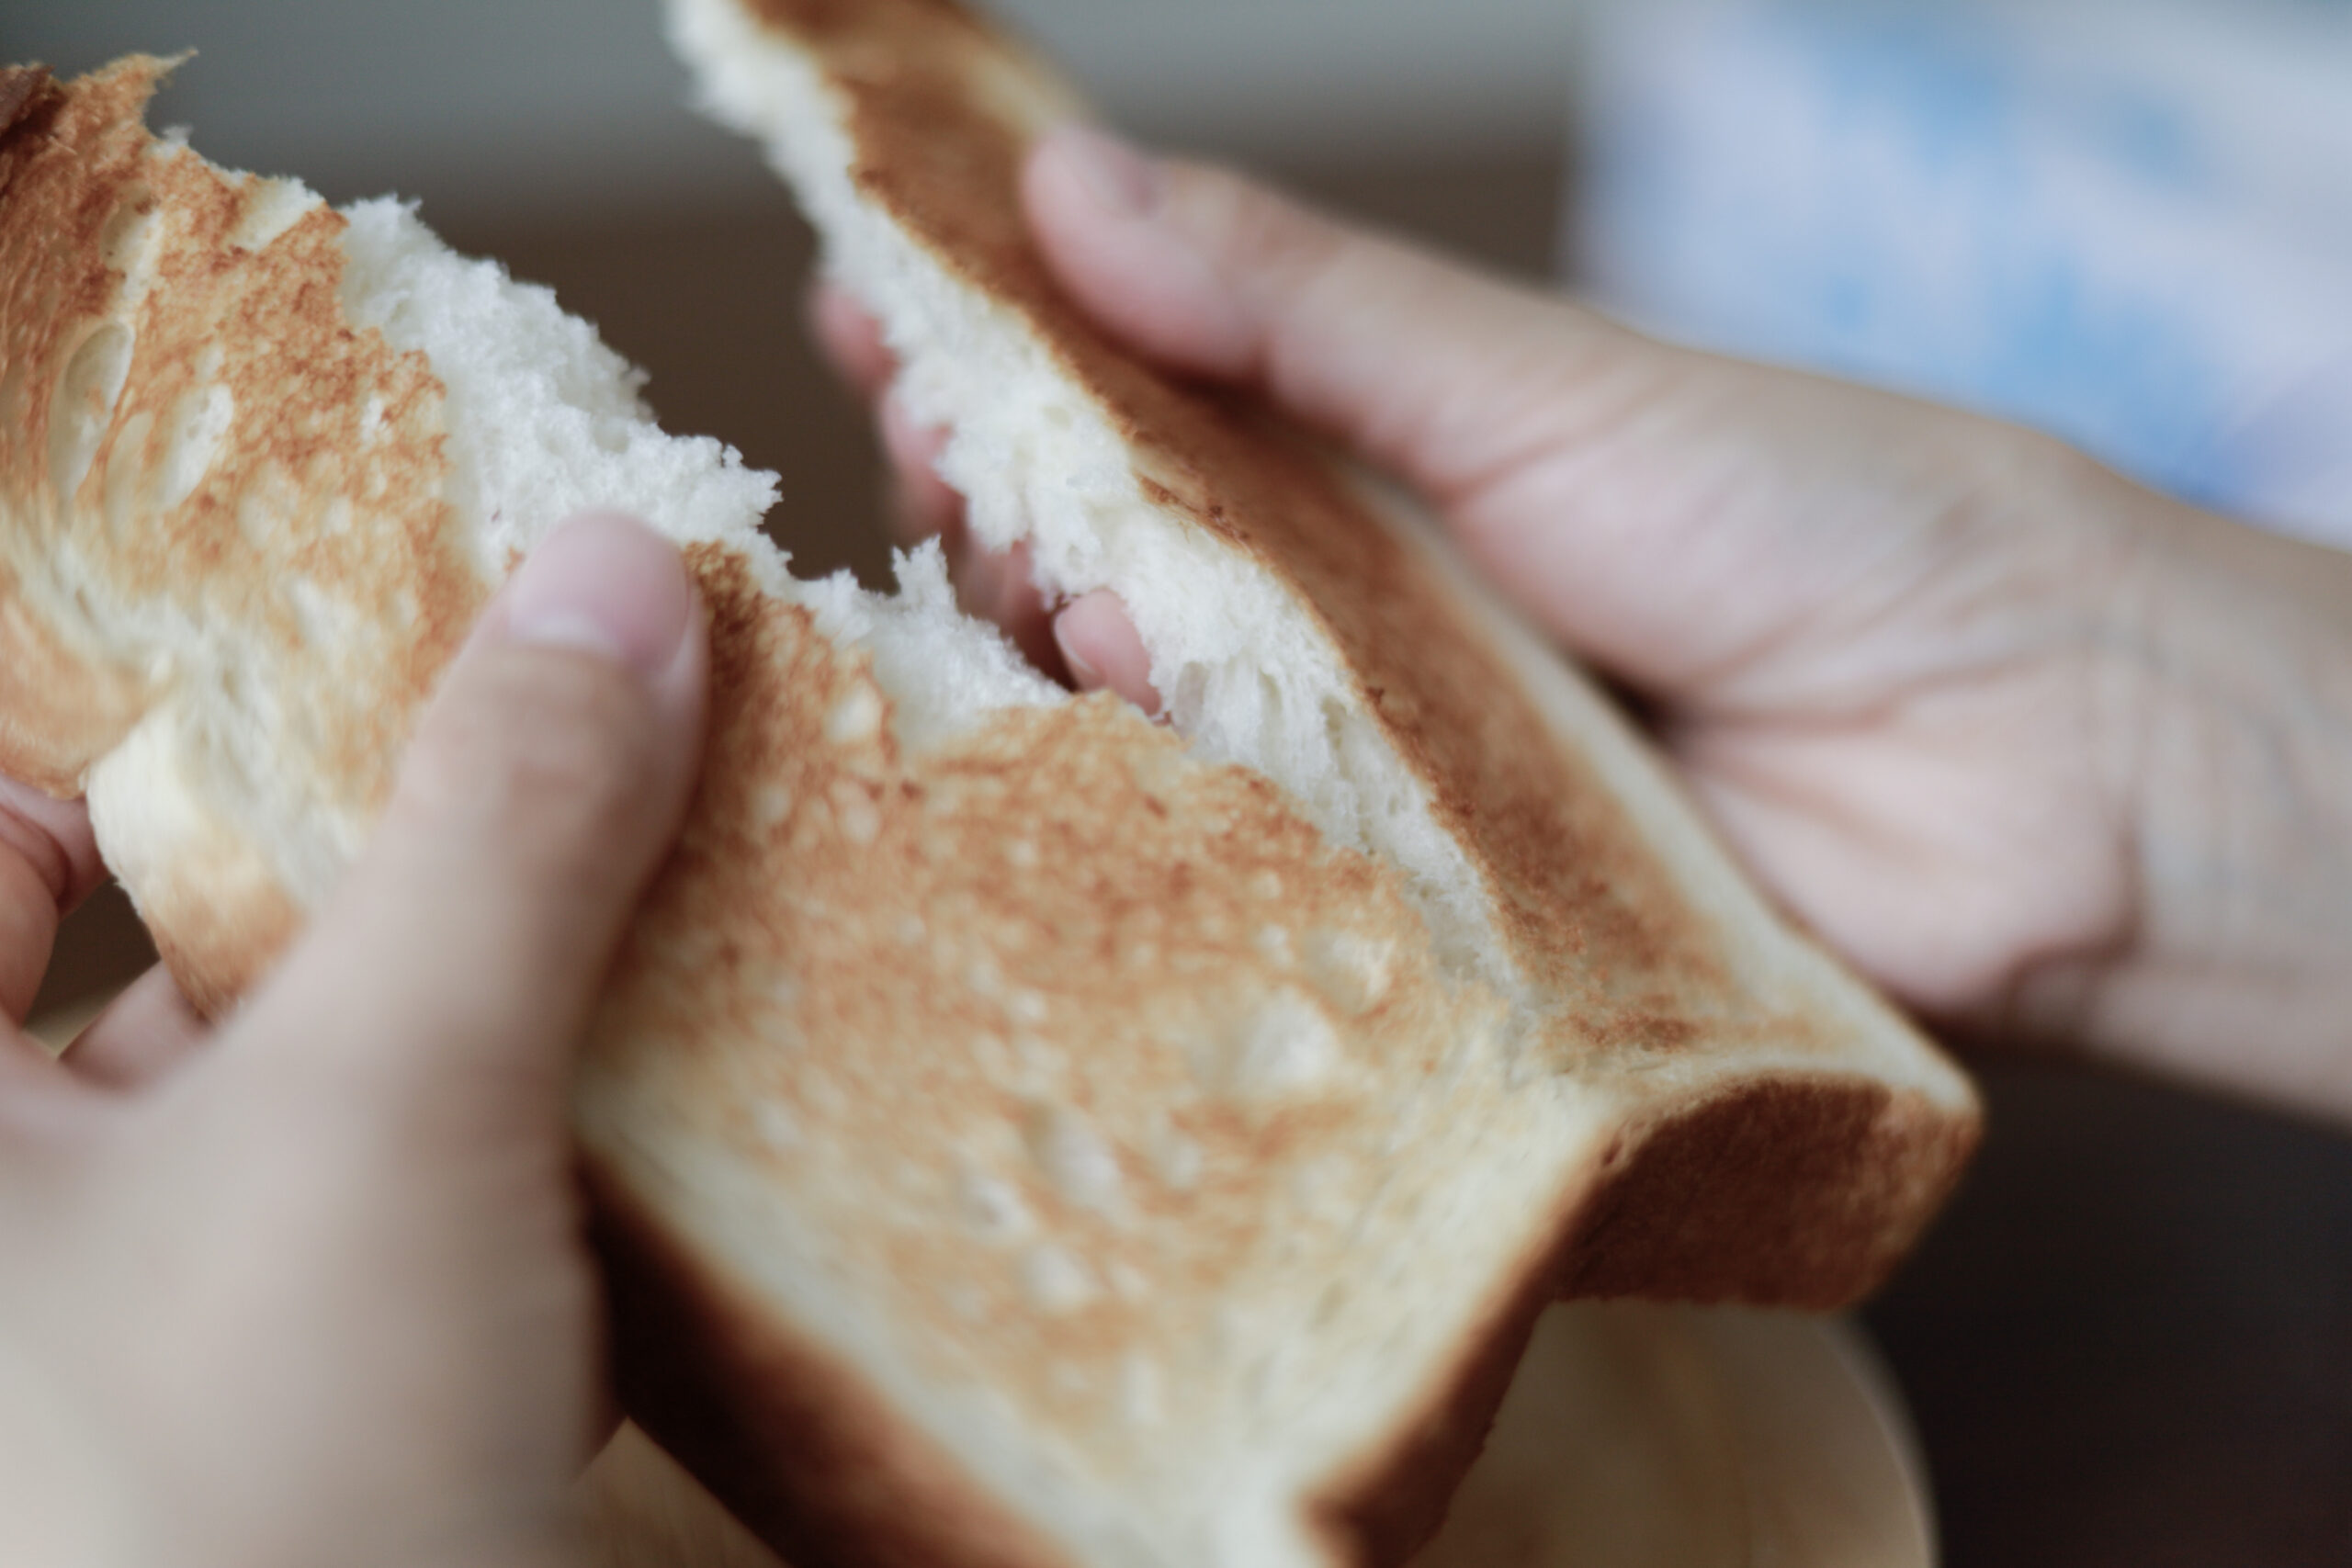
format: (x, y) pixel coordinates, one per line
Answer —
(545, 421)
(1246, 673)
(1096, 1150)
(542, 420)
(230, 782)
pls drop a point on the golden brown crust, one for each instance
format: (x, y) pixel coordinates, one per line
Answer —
(1794, 1192)
(939, 971)
(790, 1439)
(193, 435)
(1041, 1045)
(1774, 1189)
(1583, 905)
(1797, 1189)
(65, 158)
(1787, 1193)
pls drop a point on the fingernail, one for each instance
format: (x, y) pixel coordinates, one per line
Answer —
(1123, 179)
(1098, 642)
(604, 583)
(1082, 670)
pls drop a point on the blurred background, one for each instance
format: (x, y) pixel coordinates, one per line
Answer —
(2129, 222)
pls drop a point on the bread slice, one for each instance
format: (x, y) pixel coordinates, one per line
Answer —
(1023, 1135)
(260, 464)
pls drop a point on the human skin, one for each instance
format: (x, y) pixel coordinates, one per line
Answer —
(2043, 753)
(312, 1289)
(2055, 760)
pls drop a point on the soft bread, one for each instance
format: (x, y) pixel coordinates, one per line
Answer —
(1768, 1131)
(1023, 1135)
(260, 464)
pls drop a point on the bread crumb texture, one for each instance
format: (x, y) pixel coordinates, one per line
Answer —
(1151, 1142)
(1093, 1083)
(225, 510)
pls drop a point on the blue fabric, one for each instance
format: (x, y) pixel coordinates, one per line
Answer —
(2143, 248)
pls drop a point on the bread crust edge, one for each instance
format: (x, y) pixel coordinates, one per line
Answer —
(789, 1439)
(1771, 1192)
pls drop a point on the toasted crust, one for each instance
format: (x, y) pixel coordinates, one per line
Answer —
(1143, 884)
(795, 1442)
(939, 111)
(61, 161)
(1632, 966)
(1796, 1176)
(1796, 1192)
(178, 383)
(1040, 1068)
(1792, 1193)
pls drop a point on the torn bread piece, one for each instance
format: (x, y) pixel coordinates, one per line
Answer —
(1023, 1135)
(1709, 1107)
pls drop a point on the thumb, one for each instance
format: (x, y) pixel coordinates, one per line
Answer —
(544, 785)
(1446, 378)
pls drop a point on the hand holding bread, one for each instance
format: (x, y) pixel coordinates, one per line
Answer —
(312, 1287)
(1946, 685)
(1020, 1133)
(1017, 1131)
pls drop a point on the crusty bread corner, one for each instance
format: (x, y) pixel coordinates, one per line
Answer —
(1025, 1134)
(261, 463)
(131, 407)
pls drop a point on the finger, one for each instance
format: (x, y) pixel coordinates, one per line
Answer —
(1661, 512)
(922, 504)
(994, 586)
(143, 1033)
(545, 783)
(850, 339)
(1001, 586)
(40, 1102)
(1103, 650)
(1446, 377)
(48, 864)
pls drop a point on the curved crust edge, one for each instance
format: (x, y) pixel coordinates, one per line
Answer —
(1786, 1192)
